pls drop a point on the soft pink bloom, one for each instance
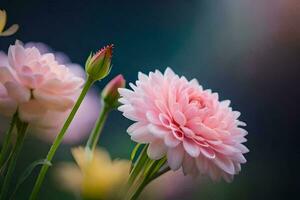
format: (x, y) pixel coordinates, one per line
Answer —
(35, 83)
(50, 123)
(189, 125)
(3, 59)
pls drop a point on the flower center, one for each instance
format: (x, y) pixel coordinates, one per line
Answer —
(198, 102)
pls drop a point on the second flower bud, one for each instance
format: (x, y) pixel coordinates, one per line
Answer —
(110, 94)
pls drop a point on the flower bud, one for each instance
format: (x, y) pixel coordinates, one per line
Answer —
(110, 94)
(98, 65)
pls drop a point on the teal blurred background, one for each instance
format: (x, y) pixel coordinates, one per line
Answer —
(247, 51)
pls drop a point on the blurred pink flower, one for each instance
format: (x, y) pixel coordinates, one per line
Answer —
(189, 125)
(35, 83)
(47, 125)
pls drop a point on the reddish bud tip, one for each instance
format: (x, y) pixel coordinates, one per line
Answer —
(110, 93)
(98, 65)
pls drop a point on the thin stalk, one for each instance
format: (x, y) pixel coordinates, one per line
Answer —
(7, 139)
(139, 190)
(94, 136)
(135, 172)
(138, 166)
(12, 163)
(59, 139)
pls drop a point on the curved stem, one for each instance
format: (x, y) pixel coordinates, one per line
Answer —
(139, 190)
(138, 166)
(59, 139)
(12, 163)
(7, 139)
(94, 136)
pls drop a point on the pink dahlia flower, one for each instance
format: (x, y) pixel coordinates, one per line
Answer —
(189, 125)
(50, 123)
(35, 83)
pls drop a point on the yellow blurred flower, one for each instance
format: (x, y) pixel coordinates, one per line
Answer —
(98, 178)
(11, 30)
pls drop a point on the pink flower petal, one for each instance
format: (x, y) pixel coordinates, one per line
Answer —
(141, 135)
(158, 131)
(6, 75)
(171, 141)
(17, 92)
(175, 157)
(188, 132)
(242, 147)
(16, 56)
(152, 117)
(156, 150)
(225, 164)
(60, 103)
(207, 152)
(226, 149)
(239, 158)
(32, 110)
(165, 120)
(179, 118)
(191, 147)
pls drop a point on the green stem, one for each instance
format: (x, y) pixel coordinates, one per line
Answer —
(12, 163)
(59, 139)
(7, 139)
(138, 166)
(94, 136)
(135, 171)
(139, 190)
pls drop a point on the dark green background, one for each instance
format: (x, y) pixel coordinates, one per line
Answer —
(235, 48)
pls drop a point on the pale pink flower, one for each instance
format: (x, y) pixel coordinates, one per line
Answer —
(189, 125)
(35, 83)
(50, 123)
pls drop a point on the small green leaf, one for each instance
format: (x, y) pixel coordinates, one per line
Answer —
(149, 166)
(134, 151)
(28, 171)
(154, 166)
